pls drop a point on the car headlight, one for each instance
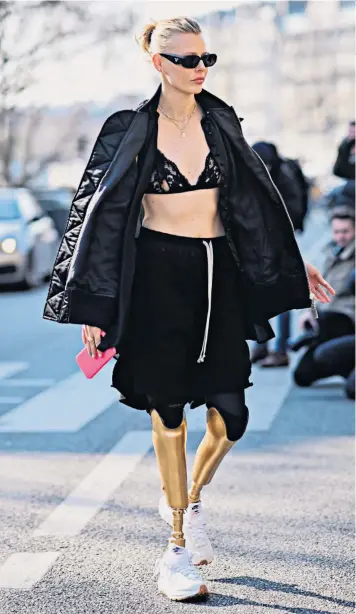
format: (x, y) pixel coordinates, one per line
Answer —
(8, 245)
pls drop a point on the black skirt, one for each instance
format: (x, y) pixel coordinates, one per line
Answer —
(184, 339)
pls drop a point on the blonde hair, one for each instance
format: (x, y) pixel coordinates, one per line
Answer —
(156, 35)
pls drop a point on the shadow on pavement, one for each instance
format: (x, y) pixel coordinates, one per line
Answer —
(269, 585)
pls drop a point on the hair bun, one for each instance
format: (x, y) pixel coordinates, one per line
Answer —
(144, 40)
(164, 30)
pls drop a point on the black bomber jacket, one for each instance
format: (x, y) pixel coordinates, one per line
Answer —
(94, 269)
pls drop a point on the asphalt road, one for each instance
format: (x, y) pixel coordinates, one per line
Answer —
(79, 487)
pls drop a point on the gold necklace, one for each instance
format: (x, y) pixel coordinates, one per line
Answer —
(177, 121)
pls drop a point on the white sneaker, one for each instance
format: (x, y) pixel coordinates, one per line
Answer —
(178, 578)
(194, 531)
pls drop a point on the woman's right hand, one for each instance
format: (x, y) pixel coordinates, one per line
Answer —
(91, 336)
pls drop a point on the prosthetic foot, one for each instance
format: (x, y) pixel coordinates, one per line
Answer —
(214, 446)
(197, 541)
(178, 579)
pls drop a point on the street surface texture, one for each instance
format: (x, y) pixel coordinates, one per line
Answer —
(79, 486)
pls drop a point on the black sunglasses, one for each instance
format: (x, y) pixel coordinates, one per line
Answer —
(191, 61)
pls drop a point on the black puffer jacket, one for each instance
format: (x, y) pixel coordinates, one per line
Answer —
(93, 273)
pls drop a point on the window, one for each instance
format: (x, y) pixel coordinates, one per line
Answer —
(347, 4)
(228, 16)
(297, 6)
(29, 206)
(8, 206)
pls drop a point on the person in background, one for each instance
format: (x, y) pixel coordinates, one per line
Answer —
(338, 318)
(333, 357)
(344, 166)
(295, 196)
(342, 196)
(293, 168)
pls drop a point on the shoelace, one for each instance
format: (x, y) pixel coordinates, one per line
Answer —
(188, 571)
(198, 533)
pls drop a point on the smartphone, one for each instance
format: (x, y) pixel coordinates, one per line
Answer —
(90, 366)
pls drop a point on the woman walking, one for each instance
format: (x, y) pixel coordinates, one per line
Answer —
(178, 246)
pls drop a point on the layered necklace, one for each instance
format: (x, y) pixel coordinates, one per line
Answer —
(185, 121)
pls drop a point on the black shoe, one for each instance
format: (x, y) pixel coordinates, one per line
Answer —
(258, 353)
(305, 340)
(275, 359)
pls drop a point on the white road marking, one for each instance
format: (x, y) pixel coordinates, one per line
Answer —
(27, 383)
(10, 368)
(65, 407)
(23, 569)
(82, 504)
(6, 400)
(264, 400)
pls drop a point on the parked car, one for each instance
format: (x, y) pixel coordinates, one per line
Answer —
(56, 203)
(28, 239)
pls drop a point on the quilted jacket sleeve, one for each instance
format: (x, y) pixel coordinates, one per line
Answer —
(85, 229)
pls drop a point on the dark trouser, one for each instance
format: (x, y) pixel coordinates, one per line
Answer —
(333, 324)
(332, 353)
(283, 333)
(350, 385)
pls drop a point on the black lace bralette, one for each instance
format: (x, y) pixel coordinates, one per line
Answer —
(168, 174)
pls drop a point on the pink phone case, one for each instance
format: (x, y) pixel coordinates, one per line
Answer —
(90, 366)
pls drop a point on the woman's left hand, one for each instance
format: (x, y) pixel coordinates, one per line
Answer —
(316, 282)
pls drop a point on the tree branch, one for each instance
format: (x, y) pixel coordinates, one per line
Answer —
(62, 28)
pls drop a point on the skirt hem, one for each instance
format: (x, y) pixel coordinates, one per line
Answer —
(144, 402)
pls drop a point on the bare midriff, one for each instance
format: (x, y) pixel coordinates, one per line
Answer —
(188, 214)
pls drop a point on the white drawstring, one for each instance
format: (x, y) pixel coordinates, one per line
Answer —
(210, 257)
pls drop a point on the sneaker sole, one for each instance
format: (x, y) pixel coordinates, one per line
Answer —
(201, 563)
(201, 595)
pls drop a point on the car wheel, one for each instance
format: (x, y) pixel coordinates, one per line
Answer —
(31, 278)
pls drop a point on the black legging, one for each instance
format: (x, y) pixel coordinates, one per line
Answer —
(230, 405)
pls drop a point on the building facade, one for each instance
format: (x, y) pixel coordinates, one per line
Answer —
(288, 67)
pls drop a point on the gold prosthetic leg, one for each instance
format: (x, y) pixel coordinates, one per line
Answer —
(212, 449)
(170, 446)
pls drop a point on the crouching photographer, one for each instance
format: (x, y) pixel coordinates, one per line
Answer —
(336, 320)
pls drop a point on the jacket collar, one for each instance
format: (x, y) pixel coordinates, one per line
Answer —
(208, 101)
(342, 254)
(348, 251)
